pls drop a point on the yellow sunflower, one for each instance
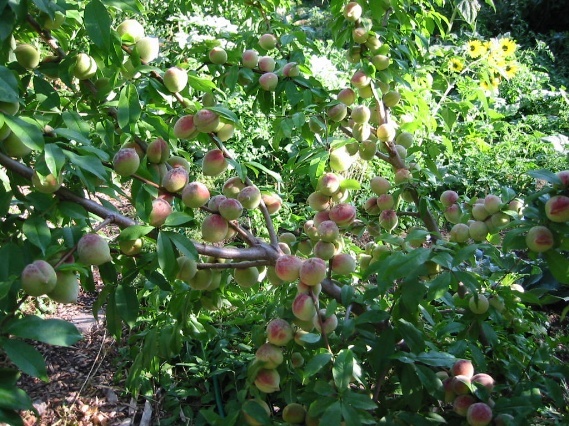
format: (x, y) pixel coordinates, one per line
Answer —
(511, 69)
(455, 65)
(475, 49)
(507, 46)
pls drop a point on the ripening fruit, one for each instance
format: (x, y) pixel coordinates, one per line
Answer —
(287, 267)
(250, 197)
(385, 202)
(202, 280)
(214, 163)
(226, 132)
(453, 213)
(158, 151)
(303, 307)
(461, 403)
(130, 31)
(279, 332)
(291, 69)
(329, 324)
(27, 56)
(388, 220)
(218, 55)
(46, 184)
(131, 247)
(479, 212)
(38, 278)
(360, 35)
(353, 11)
(294, 413)
(206, 121)
(248, 406)
(250, 58)
(195, 195)
(479, 414)
(185, 127)
(391, 98)
(215, 201)
(379, 185)
(230, 209)
(328, 184)
(268, 41)
(269, 81)
(85, 67)
(313, 270)
(175, 79)
(318, 201)
(55, 23)
(272, 202)
(485, 380)
(360, 79)
(266, 64)
(557, 209)
(126, 162)
(361, 133)
(267, 381)
(175, 179)
(463, 367)
(492, 203)
(161, 209)
(187, 268)
(479, 305)
(380, 62)
(147, 48)
(328, 231)
(539, 239)
(343, 214)
(93, 249)
(66, 289)
(214, 228)
(360, 114)
(460, 233)
(347, 96)
(448, 198)
(386, 132)
(461, 385)
(340, 160)
(270, 355)
(246, 277)
(343, 264)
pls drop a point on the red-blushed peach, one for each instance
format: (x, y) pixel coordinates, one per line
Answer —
(195, 195)
(66, 289)
(291, 69)
(303, 307)
(158, 151)
(312, 271)
(250, 197)
(296, 360)
(184, 128)
(294, 413)
(246, 277)
(279, 332)
(462, 367)
(214, 163)
(255, 406)
(250, 58)
(388, 220)
(324, 250)
(328, 231)
(161, 209)
(266, 64)
(328, 184)
(187, 268)
(557, 209)
(217, 55)
(343, 214)
(461, 384)
(46, 184)
(402, 176)
(352, 11)
(232, 187)
(215, 201)
(449, 395)
(126, 162)
(563, 176)
(453, 213)
(272, 202)
(448, 198)
(492, 203)
(270, 355)
(360, 79)
(318, 201)
(347, 96)
(175, 79)
(484, 379)
(461, 403)
(287, 267)
(230, 209)
(268, 41)
(337, 112)
(379, 185)
(325, 324)
(479, 414)
(371, 207)
(206, 121)
(269, 81)
(268, 381)
(460, 233)
(539, 239)
(214, 228)
(385, 202)
(175, 179)
(93, 249)
(38, 278)
(343, 264)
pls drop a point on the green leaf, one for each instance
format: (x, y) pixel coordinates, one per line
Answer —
(201, 84)
(26, 358)
(135, 231)
(413, 337)
(178, 219)
(166, 255)
(54, 158)
(310, 338)
(47, 6)
(37, 232)
(52, 331)
(46, 94)
(274, 175)
(27, 131)
(350, 184)
(225, 113)
(436, 359)
(127, 304)
(182, 243)
(98, 24)
(72, 135)
(129, 109)
(316, 364)
(8, 86)
(343, 369)
(10, 417)
(14, 399)
(558, 265)
(113, 319)
(89, 163)
(546, 175)
(333, 415)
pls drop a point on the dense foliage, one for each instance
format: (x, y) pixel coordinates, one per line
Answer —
(298, 215)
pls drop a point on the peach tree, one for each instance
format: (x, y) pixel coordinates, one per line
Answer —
(236, 204)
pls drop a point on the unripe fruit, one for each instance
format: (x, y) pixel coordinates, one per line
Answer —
(296, 359)
(448, 198)
(453, 213)
(248, 418)
(294, 413)
(268, 41)
(386, 132)
(185, 127)
(85, 67)
(269, 81)
(214, 228)
(371, 207)
(46, 184)
(161, 209)
(214, 163)
(360, 79)
(343, 264)
(379, 185)
(246, 277)
(367, 150)
(232, 187)
(287, 267)
(206, 121)
(328, 231)
(147, 48)
(352, 11)
(329, 324)
(267, 381)
(492, 203)
(303, 307)
(405, 139)
(340, 160)
(175, 79)
(318, 201)
(324, 250)
(130, 31)
(272, 202)
(176, 161)
(479, 212)
(250, 58)
(93, 249)
(230, 209)
(504, 420)
(373, 44)
(388, 220)
(557, 209)
(9, 108)
(361, 133)
(55, 23)
(218, 55)
(479, 306)
(195, 195)
(460, 233)
(347, 96)
(291, 69)
(361, 114)
(270, 355)
(328, 184)
(365, 92)
(249, 197)
(279, 332)
(461, 404)
(131, 247)
(462, 367)
(266, 64)
(380, 62)
(385, 202)
(304, 247)
(38, 278)
(360, 35)
(126, 162)
(499, 220)
(226, 132)
(313, 271)
(175, 179)
(202, 280)
(485, 380)
(461, 385)
(27, 56)
(539, 239)
(478, 230)
(66, 289)
(391, 98)
(343, 214)
(479, 414)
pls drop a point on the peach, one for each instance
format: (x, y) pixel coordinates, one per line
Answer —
(294, 413)
(250, 58)
(202, 280)
(461, 404)
(27, 56)
(462, 367)
(305, 288)
(391, 98)
(385, 202)
(318, 201)
(161, 209)
(250, 197)
(226, 132)
(287, 267)
(273, 277)
(38, 278)
(251, 406)
(324, 250)
(93, 249)
(131, 247)
(303, 307)
(291, 69)
(360, 79)
(367, 150)
(288, 238)
(343, 214)
(232, 187)
(187, 268)
(217, 55)
(557, 209)
(214, 228)
(195, 195)
(539, 239)
(55, 22)
(453, 213)
(402, 176)
(379, 185)
(158, 151)
(460, 233)
(478, 230)
(388, 220)
(130, 31)
(340, 159)
(206, 121)
(361, 133)
(354, 54)
(312, 271)
(386, 132)
(296, 360)
(504, 420)
(461, 385)
(175, 79)
(316, 125)
(449, 395)
(267, 381)
(343, 264)
(126, 162)
(85, 67)
(184, 128)
(214, 163)
(563, 176)
(46, 184)
(279, 332)
(492, 203)
(273, 202)
(479, 414)
(360, 35)
(230, 209)
(268, 41)
(485, 380)
(370, 206)
(365, 92)
(270, 355)
(337, 112)
(405, 139)
(479, 212)
(246, 277)
(448, 198)
(380, 62)
(499, 220)
(347, 96)
(269, 81)
(266, 64)
(328, 184)
(325, 324)
(360, 114)
(352, 11)
(66, 289)
(328, 231)
(215, 201)
(478, 304)
(175, 179)
(147, 48)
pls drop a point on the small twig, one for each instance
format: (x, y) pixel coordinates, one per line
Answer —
(93, 370)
